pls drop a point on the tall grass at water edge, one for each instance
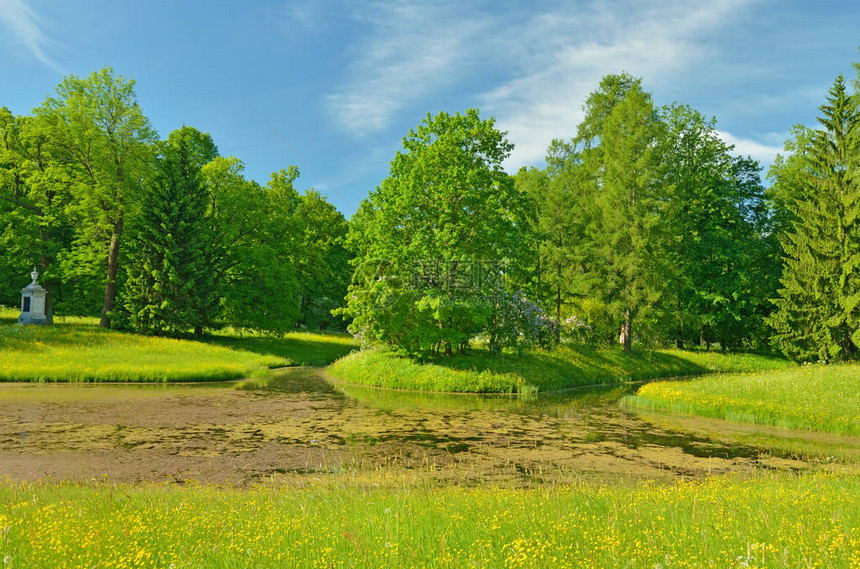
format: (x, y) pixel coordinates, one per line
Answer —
(765, 520)
(813, 397)
(535, 370)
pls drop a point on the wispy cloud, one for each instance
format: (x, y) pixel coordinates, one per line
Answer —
(410, 51)
(313, 16)
(23, 24)
(541, 62)
(573, 50)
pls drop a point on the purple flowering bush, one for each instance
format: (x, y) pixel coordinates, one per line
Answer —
(577, 331)
(519, 322)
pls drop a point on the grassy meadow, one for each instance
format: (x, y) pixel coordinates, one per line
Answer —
(76, 349)
(369, 519)
(765, 520)
(812, 397)
(536, 370)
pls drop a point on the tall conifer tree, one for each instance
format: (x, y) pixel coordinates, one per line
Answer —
(622, 237)
(817, 309)
(170, 284)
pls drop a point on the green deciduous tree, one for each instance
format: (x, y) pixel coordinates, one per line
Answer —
(254, 234)
(323, 261)
(718, 251)
(431, 241)
(95, 126)
(35, 193)
(817, 314)
(559, 197)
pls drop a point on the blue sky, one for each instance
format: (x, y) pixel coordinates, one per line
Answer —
(333, 86)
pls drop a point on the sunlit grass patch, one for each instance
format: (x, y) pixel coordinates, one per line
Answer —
(76, 349)
(736, 521)
(535, 370)
(77, 352)
(814, 397)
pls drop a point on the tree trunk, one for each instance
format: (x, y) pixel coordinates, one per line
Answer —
(43, 264)
(558, 312)
(113, 265)
(627, 332)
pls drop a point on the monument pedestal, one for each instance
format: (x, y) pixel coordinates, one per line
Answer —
(33, 303)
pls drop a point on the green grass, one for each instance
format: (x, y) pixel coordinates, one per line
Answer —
(737, 521)
(813, 397)
(535, 370)
(76, 349)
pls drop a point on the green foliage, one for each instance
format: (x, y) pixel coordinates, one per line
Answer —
(481, 371)
(324, 270)
(721, 267)
(556, 229)
(431, 242)
(84, 175)
(817, 309)
(35, 195)
(95, 127)
(625, 235)
(170, 287)
(253, 249)
(647, 216)
(815, 397)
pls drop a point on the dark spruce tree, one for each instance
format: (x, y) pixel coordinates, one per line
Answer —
(170, 285)
(817, 309)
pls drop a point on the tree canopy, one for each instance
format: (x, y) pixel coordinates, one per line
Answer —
(817, 314)
(644, 226)
(158, 236)
(432, 242)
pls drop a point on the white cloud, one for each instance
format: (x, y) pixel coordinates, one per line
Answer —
(572, 51)
(23, 24)
(764, 153)
(313, 16)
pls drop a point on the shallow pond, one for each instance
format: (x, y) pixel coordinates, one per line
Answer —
(296, 426)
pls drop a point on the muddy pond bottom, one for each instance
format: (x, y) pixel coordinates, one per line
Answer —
(297, 427)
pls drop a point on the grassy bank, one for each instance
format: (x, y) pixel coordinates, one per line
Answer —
(76, 349)
(535, 370)
(818, 398)
(760, 521)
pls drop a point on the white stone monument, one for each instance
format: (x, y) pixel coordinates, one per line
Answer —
(33, 302)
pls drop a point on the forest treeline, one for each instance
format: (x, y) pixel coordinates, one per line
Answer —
(644, 226)
(157, 236)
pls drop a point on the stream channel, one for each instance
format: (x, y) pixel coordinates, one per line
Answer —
(296, 427)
